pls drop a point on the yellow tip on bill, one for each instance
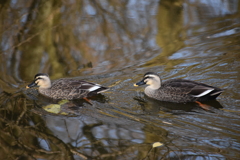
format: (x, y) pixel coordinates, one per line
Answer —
(135, 85)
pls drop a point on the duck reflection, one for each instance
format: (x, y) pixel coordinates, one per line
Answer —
(152, 106)
(62, 107)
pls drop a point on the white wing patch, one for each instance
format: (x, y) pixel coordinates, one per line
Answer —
(94, 88)
(204, 93)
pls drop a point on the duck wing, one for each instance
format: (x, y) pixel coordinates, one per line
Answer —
(89, 86)
(195, 89)
(74, 84)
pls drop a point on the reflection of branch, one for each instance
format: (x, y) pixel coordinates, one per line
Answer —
(37, 150)
(104, 11)
(21, 141)
(27, 39)
(5, 97)
(13, 147)
(79, 154)
(117, 153)
(7, 147)
(23, 112)
(52, 139)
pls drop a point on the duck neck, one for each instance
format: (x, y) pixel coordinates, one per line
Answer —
(46, 85)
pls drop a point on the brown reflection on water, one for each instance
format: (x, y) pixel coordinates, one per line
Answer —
(65, 37)
(114, 43)
(170, 27)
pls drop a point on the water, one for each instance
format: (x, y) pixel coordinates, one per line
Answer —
(115, 44)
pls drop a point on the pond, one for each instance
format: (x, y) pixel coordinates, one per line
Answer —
(114, 43)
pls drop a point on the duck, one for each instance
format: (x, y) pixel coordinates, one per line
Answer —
(177, 90)
(65, 88)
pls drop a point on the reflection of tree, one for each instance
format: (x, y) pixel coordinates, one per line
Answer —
(60, 37)
(170, 31)
(41, 20)
(24, 134)
(20, 140)
(52, 36)
(170, 25)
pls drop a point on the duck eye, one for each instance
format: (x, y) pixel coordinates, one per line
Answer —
(37, 80)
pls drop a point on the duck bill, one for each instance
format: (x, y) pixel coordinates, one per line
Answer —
(139, 83)
(33, 84)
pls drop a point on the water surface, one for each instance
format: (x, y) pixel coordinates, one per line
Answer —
(115, 43)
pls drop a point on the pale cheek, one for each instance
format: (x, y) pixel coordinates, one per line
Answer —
(148, 83)
(38, 82)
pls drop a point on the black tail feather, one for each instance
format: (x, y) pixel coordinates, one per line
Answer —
(212, 95)
(102, 89)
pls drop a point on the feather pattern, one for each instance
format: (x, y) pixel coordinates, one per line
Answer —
(178, 90)
(66, 88)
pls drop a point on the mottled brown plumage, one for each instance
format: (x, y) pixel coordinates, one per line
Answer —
(66, 88)
(177, 90)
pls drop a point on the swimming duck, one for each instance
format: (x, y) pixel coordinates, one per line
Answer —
(177, 90)
(66, 88)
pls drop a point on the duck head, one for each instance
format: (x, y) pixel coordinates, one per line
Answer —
(41, 80)
(151, 79)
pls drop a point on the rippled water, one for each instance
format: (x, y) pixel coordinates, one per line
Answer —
(115, 44)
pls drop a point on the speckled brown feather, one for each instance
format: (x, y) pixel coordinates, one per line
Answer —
(69, 89)
(180, 90)
(66, 88)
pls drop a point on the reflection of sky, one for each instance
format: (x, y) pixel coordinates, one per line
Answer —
(225, 33)
(44, 144)
(114, 132)
(195, 8)
(70, 131)
(195, 155)
(13, 3)
(218, 143)
(181, 54)
(222, 7)
(90, 10)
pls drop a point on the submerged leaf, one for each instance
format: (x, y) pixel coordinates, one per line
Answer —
(52, 108)
(157, 144)
(64, 101)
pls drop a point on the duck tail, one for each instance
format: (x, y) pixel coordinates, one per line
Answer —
(215, 93)
(212, 95)
(101, 89)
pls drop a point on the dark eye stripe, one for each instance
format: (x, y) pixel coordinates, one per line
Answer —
(148, 77)
(38, 78)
